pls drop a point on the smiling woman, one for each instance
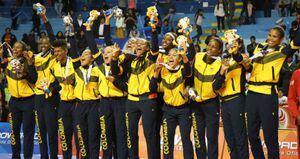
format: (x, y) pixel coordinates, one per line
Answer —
(21, 76)
(262, 98)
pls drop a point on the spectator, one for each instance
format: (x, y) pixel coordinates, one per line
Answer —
(78, 23)
(230, 12)
(251, 47)
(120, 27)
(268, 7)
(104, 5)
(219, 13)
(60, 35)
(288, 8)
(9, 37)
(297, 20)
(250, 10)
(213, 35)
(67, 6)
(130, 21)
(286, 73)
(168, 9)
(43, 35)
(296, 6)
(134, 33)
(280, 8)
(14, 17)
(198, 23)
(284, 7)
(166, 27)
(58, 6)
(244, 13)
(81, 41)
(99, 27)
(293, 30)
(241, 45)
(36, 22)
(72, 15)
(32, 42)
(282, 99)
(132, 4)
(25, 38)
(122, 4)
(85, 13)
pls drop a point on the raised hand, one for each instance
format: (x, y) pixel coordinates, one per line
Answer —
(225, 66)
(233, 48)
(28, 55)
(22, 71)
(107, 18)
(110, 78)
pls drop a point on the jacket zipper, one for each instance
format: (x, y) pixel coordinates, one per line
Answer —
(82, 91)
(18, 88)
(138, 89)
(107, 88)
(202, 81)
(169, 83)
(232, 84)
(68, 92)
(273, 73)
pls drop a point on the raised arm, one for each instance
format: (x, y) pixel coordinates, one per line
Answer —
(219, 78)
(156, 79)
(191, 51)
(91, 39)
(48, 26)
(107, 33)
(31, 74)
(187, 70)
(154, 45)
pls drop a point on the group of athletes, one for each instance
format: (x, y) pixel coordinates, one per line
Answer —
(98, 96)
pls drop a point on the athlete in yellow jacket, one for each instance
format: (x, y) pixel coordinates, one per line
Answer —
(86, 92)
(206, 107)
(21, 76)
(262, 98)
(230, 83)
(64, 72)
(47, 96)
(141, 101)
(176, 110)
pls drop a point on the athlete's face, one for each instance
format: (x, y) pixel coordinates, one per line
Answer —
(131, 44)
(274, 38)
(142, 47)
(107, 54)
(167, 42)
(174, 58)
(213, 48)
(17, 49)
(86, 58)
(60, 54)
(44, 44)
